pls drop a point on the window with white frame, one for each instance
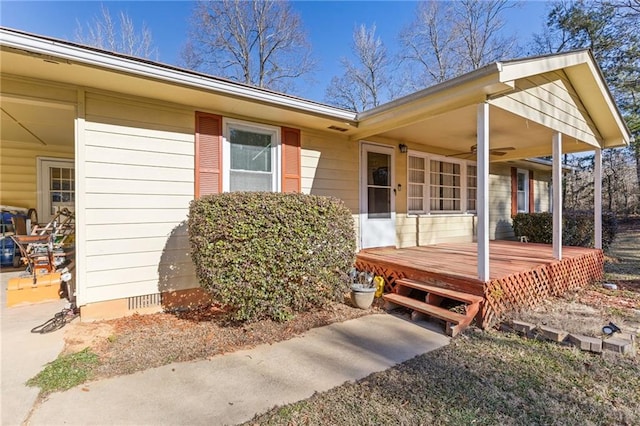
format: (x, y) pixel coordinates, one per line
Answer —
(440, 184)
(472, 187)
(251, 157)
(523, 191)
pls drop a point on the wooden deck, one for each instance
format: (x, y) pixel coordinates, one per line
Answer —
(521, 274)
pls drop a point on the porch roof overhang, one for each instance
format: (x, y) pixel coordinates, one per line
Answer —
(530, 100)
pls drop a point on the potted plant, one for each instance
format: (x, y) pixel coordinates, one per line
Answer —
(363, 288)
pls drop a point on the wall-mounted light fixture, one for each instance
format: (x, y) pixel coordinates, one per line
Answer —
(403, 148)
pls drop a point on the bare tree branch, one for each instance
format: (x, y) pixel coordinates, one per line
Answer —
(365, 82)
(120, 37)
(448, 39)
(261, 43)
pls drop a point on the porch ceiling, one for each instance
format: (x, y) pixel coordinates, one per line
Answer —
(40, 123)
(454, 133)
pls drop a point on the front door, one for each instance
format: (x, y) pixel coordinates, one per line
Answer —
(377, 196)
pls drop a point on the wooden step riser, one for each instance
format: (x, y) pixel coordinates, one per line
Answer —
(404, 286)
(454, 322)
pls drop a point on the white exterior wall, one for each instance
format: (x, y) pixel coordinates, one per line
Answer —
(139, 160)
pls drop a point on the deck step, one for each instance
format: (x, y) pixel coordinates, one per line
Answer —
(444, 292)
(455, 321)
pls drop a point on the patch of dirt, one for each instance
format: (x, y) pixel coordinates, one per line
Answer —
(586, 311)
(138, 342)
(79, 335)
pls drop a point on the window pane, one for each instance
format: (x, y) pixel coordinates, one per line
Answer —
(250, 181)
(416, 163)
(415, 191)
(55, 173)
(250, 151)
(521, 178)
(416, 176)
(415, 204)
(445, 186)
(521, 206)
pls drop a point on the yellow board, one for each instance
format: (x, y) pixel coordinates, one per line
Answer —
(46, 287)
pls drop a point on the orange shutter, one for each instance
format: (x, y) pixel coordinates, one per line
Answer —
(208, 161)
(290, 160)
(531, 197)
(514, 191)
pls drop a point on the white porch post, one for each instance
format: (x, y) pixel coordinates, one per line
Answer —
(482, 154)
(557, 195)
(597, 199)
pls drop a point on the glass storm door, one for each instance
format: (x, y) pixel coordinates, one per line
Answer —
(377, 197)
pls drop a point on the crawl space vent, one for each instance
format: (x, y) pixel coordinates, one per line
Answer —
(146, 301)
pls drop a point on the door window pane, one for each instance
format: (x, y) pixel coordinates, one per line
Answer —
(378, 169)
(379, 185)
(379, 203)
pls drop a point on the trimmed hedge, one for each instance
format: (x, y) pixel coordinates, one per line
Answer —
(270, 255)
(577, 228)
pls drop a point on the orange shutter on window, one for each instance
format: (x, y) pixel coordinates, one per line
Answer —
(531, 197)
(208, 155)
(290, 160)
(514, 191)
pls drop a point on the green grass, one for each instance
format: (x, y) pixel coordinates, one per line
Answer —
(482, 378)
(65, 372)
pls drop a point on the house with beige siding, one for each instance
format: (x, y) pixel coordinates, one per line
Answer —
(135, 141)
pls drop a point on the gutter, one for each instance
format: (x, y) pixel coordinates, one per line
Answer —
(495, 67)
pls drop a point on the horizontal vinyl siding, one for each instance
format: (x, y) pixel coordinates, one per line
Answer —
(500, 202)
(434, 229)
(550, 99)
(330, 167)
(541, 191)
(139, 182)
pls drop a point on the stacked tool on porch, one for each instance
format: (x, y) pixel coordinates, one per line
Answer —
(47, 251)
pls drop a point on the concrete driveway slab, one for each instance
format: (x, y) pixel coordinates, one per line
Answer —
(24, 353)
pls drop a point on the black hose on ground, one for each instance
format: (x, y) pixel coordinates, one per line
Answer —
(58, 321)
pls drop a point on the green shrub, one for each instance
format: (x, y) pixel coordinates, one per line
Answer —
(577, 228)
(270, 255)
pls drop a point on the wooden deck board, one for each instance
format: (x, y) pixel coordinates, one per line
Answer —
(460, 260)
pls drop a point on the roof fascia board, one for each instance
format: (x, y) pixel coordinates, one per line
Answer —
(51, 49)
(517, 69)
(453, 94)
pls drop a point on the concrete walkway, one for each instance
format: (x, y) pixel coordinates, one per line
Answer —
(24, 353)
(232, 388)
